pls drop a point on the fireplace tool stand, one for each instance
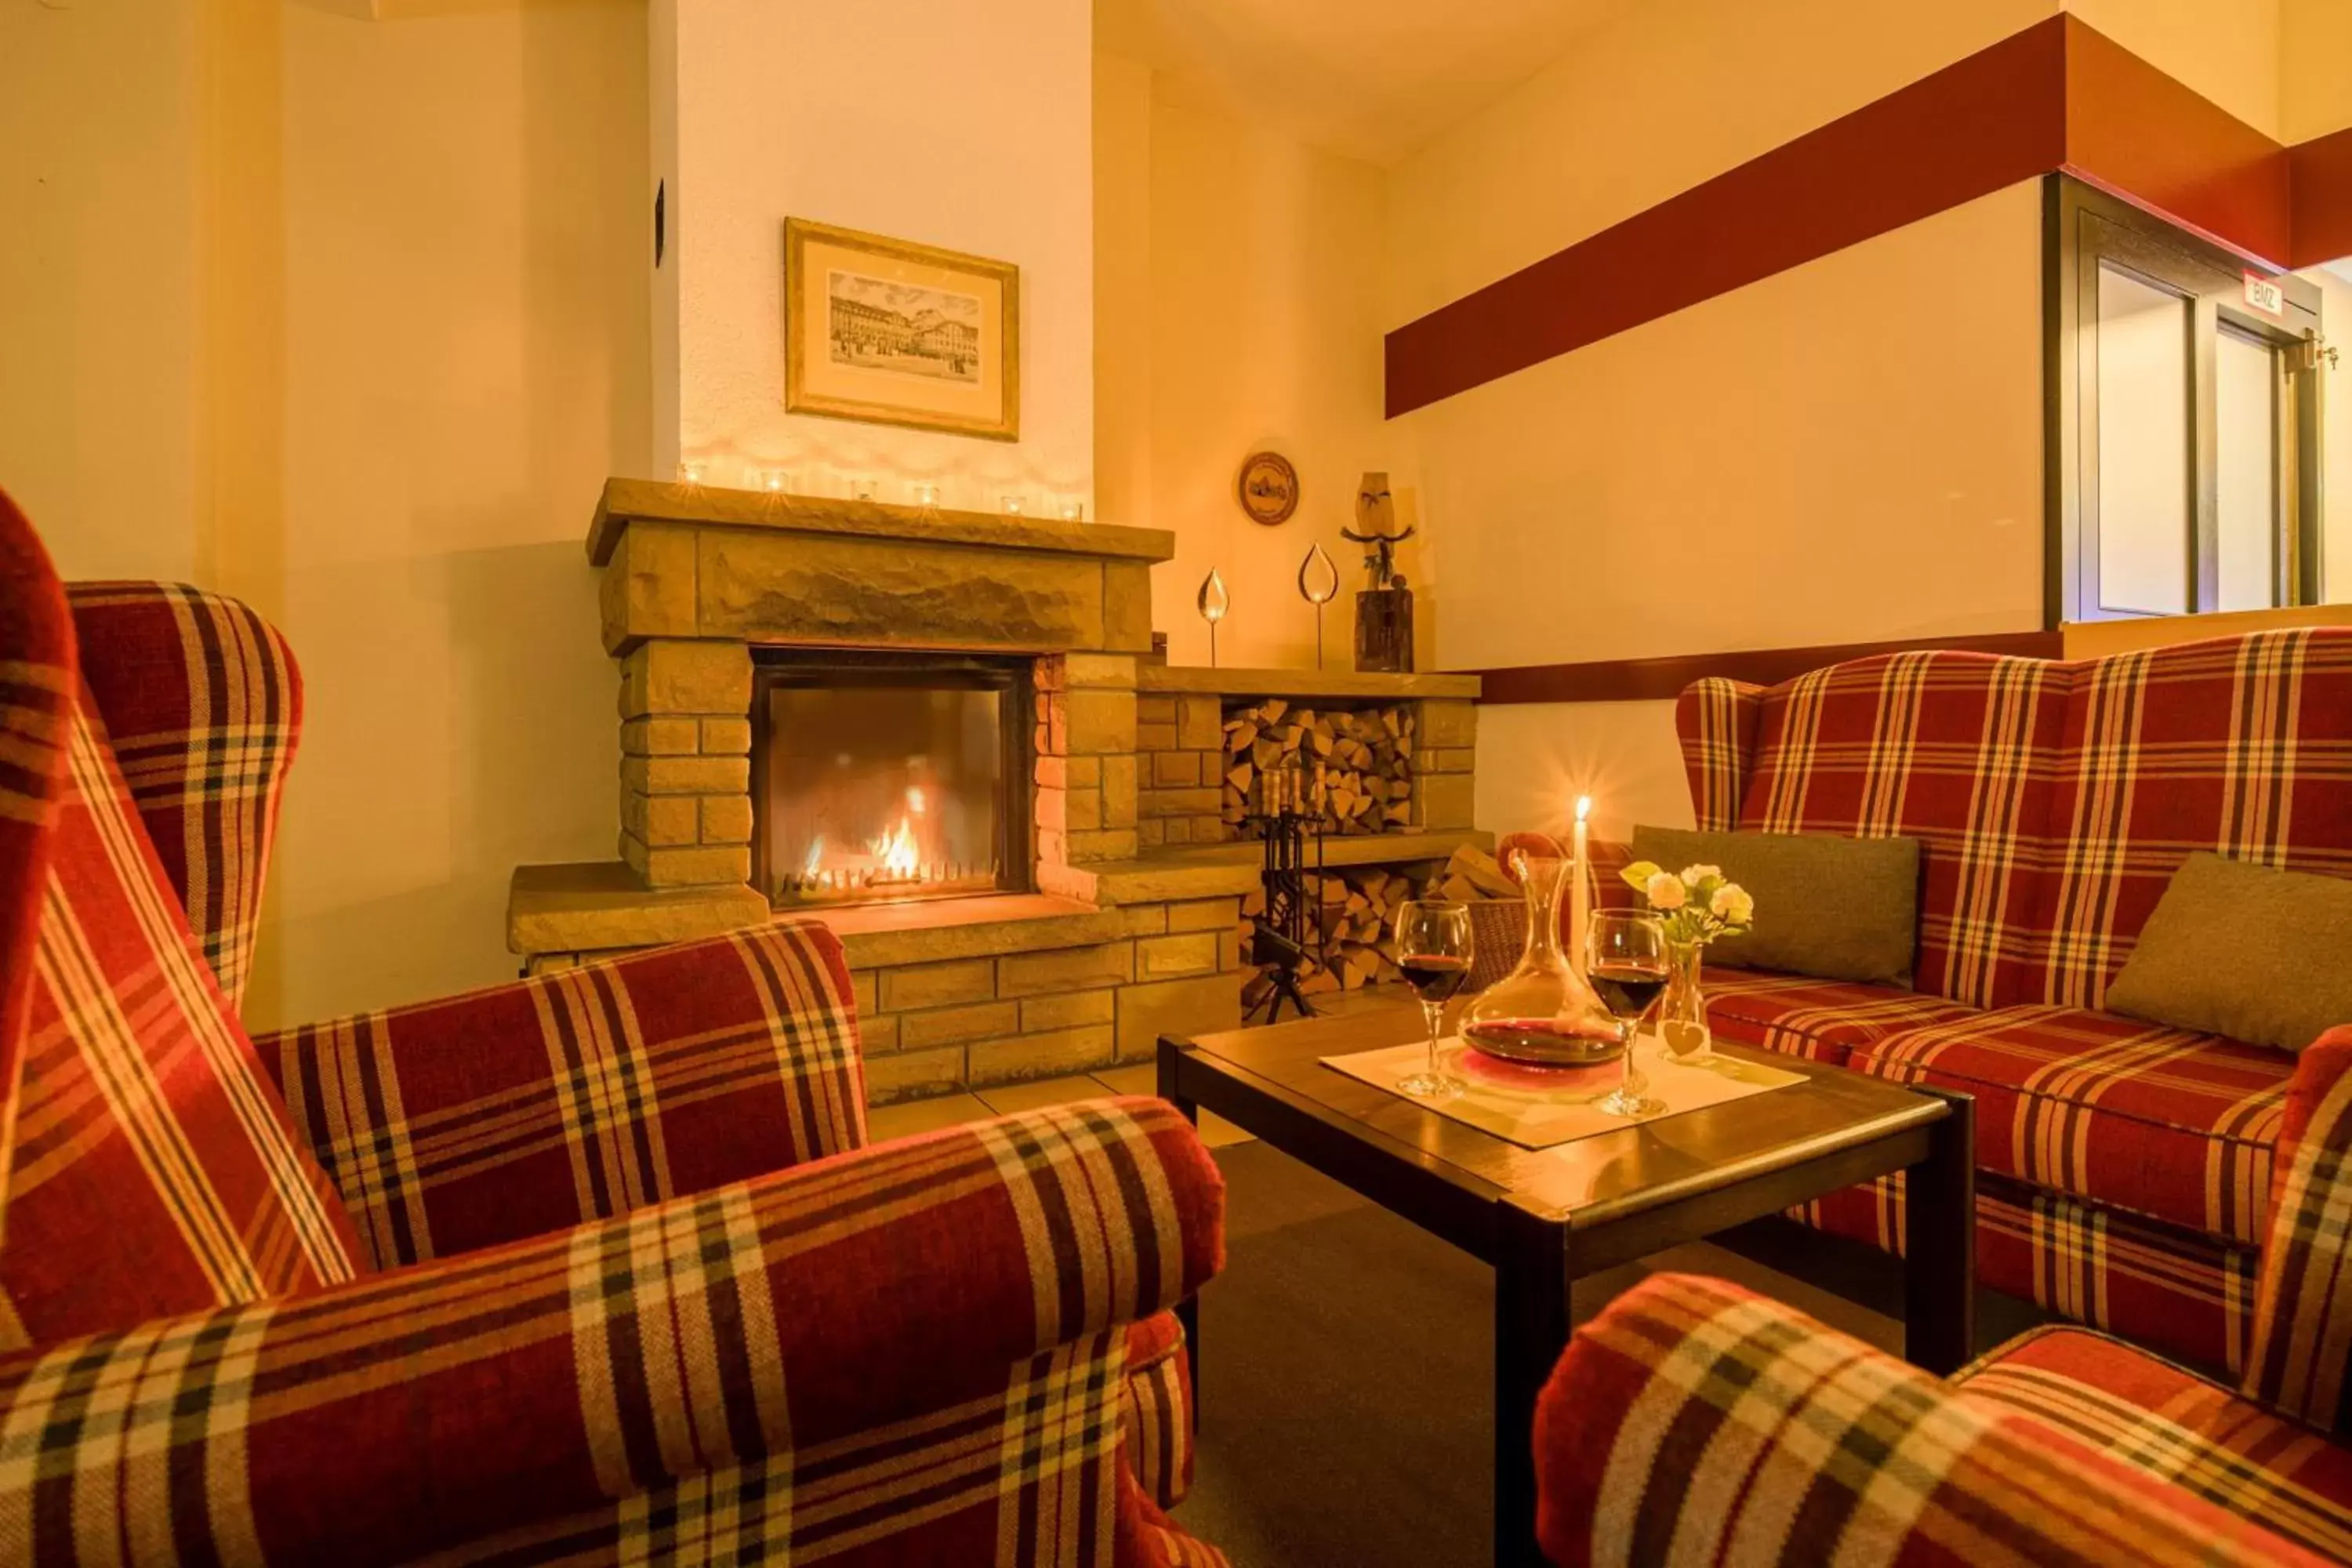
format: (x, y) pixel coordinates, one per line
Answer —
(1279, 936)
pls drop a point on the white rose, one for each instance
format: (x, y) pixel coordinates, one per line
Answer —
(1665, 891)
(1733, 904)
(1694, 874)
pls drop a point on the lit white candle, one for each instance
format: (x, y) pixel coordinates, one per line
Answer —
(1579, 898)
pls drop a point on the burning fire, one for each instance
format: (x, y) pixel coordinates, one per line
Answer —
(898, 858)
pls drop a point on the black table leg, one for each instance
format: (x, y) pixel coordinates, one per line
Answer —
(1939, 1243)
(1531, 1279)
(1188, 1310)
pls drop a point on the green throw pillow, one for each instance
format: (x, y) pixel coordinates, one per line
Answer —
(2259, 955)
(1838, 908)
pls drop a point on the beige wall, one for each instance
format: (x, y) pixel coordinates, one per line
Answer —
(2315, 67)
(961, 126)
(346, 318)
(1239, 307)
(100, 278)
(2230, 51)
(1851, 450)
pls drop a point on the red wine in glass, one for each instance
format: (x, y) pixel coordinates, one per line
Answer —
(1627, 989)
(1434, 977)
(1552, 1040)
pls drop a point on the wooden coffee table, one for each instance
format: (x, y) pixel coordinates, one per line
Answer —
(1546, 1217)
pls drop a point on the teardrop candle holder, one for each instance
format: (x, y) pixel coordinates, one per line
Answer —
(1318, 585)
(1213, 603)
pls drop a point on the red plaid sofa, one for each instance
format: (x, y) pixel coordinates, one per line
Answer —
(2124, 1169)
(1694, 1422)
(594, 1268)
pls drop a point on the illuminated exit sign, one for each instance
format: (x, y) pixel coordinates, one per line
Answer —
(2263, 294)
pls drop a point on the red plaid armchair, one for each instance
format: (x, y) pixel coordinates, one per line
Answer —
(1692, 1422)
(591, 1268)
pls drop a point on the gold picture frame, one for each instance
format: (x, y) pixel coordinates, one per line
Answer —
(893, 332)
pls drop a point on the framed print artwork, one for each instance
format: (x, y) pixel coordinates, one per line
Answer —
(898, 333)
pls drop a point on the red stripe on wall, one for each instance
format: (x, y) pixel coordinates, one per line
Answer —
(2059, 95)
(2136, 131)
(1662, 679)
(2323, 199)
(1991, 121)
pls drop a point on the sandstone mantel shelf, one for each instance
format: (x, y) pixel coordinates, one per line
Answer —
(625, 502)
(722, 565)
(1318, 685)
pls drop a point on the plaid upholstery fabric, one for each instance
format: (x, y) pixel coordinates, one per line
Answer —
(755, 1336)
(153, 1173)
(2162, 1121)
(1820, 1020)
(37, 684)
(1953, 749)
(200, 701)
(1160, 1409)
(2188, 1293)
(2304, 1307)
(1694, 1423)
(2241, 745)
(2179, 1428)
(530, 1106)
(1717, 719)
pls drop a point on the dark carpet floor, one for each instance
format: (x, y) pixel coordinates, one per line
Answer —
(1347, 1366)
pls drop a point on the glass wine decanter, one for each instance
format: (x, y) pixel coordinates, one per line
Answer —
(1543, 1012)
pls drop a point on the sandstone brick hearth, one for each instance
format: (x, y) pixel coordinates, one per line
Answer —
(1121, 939)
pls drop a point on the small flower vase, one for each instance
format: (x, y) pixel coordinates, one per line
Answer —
(1682, 1015)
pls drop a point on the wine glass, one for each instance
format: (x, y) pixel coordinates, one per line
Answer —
(1627, 964)
(1432, 939)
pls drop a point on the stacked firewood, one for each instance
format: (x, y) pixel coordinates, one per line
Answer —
(1472, 875)
(1361, 757)
(1354, 911)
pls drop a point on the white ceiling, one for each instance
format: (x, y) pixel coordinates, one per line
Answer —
(1376, 80)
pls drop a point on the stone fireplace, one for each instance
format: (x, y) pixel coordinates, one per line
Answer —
(943, 733)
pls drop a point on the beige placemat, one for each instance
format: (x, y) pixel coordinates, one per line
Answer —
(1536, 1107)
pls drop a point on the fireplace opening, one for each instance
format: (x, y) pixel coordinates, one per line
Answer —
(883, 776)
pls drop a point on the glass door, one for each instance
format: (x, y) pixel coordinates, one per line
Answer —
(2183, 464)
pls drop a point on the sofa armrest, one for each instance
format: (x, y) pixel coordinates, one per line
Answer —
(2303, 1301)
(1695, 1422)
(575, 1096)
(937, 1305)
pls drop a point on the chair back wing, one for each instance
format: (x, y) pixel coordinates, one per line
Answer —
(37, 679)
(201, 702)
(2303, 1302)
(2053, 800)
(1717, 721)
(153, 1170)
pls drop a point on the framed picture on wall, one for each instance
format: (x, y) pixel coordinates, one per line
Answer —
(898, 333)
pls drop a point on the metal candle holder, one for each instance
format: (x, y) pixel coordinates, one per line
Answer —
(1285, 819)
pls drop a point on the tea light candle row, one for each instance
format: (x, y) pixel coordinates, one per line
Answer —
(926, 494)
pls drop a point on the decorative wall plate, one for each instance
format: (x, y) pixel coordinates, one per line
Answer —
(1268, 488)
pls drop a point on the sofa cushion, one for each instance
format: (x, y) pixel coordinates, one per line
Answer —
(1952, 748)
(2241, 745)
(1820, 1020)
(2159, 1418)
(1838, 907)
(2243, 950)
(2163, 1121)
(154, 1171)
